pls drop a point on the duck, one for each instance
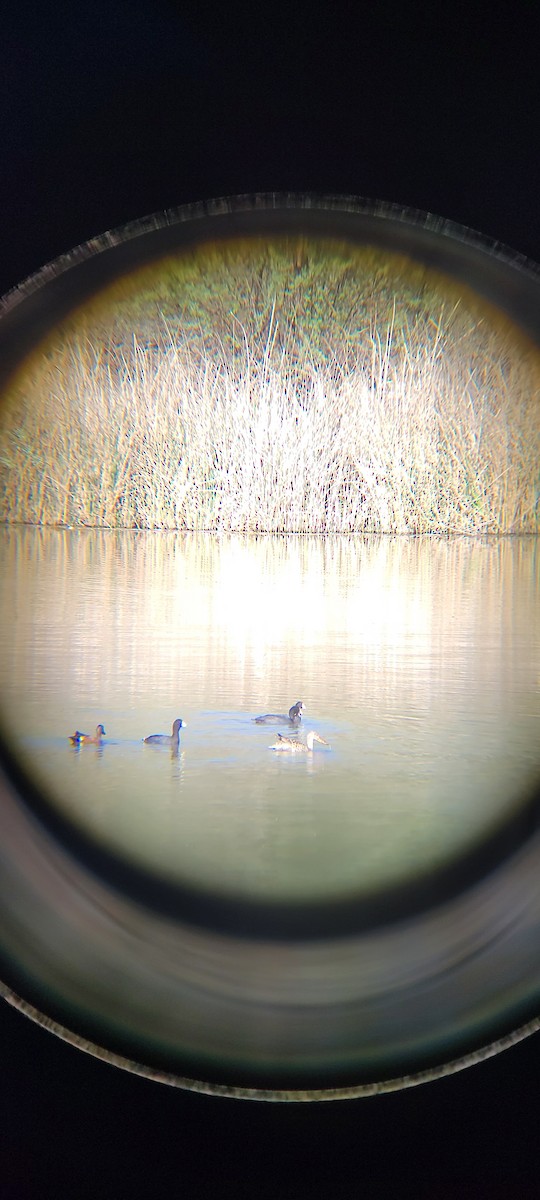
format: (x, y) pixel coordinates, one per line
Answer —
(86, 739)
(294, 746)
(166, 739)
(294, 717)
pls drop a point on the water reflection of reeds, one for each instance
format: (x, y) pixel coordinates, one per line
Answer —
(256, 617)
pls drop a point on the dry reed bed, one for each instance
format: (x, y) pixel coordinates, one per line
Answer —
(413, 434)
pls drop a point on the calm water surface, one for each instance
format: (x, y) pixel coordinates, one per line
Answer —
(417, 659)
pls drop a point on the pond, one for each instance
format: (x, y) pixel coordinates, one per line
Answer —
(417, 660)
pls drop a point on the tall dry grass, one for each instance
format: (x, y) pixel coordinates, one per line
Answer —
(422, 425)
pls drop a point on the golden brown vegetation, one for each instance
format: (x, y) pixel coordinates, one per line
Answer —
(254, 392)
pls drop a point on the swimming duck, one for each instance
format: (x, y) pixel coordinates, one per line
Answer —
(294, 746)
(167, 739)
(294, 717)
(86, 739)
